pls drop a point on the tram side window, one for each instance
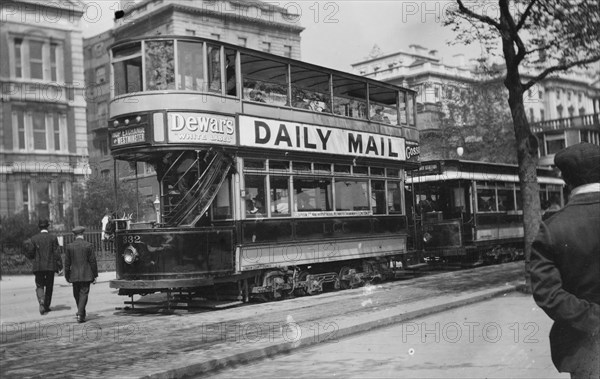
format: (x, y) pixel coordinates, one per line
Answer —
(230, 80)
(378, 197)
(255, 195)
(214, 68)
(411, 110)
(310, 90)
(127, 69)
(394, 197)
(191, 66)
(506, 200)
(349, 97)
(313, 194)
(486, 200)
(160, 65)
(264, 81)
(402, 110)
(280, 196)
(222, 203)
(383, 105)
(351, 195)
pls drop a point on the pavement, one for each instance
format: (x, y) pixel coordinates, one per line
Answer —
(118, 343)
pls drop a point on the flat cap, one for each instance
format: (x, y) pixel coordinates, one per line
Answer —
(78, 230)
(43, 223)
(579, 164)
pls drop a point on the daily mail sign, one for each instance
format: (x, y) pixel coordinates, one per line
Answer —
(284, 135)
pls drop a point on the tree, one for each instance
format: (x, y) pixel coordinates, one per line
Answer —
(549, 36)
(97, 194)
(475, 117)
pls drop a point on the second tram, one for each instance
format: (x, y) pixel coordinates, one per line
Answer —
(471, 212)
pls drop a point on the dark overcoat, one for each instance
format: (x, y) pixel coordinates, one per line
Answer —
(565, 278)
(47, 256)
(80, 262)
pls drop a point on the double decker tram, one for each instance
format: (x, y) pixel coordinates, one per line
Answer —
(276, 176)
(470, 213)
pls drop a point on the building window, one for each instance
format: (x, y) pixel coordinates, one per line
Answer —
(559, 110)
(25, 187)
(100, 75)
(215, 36)
(37, 59)
(39, 130)
(557, 94)
(242, 41)
(266, 46)
(541, 95)
(581, 111)
(579, 97)
(554, 143)
(542, 115)
(190, 32)
(531, 115)
(287, 51)
(571, 111)
(569, 96)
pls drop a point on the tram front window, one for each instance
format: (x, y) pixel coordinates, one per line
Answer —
(160, 66)
(190, 66)
(127, 68)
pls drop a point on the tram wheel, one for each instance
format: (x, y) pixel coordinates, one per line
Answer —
(306, 291)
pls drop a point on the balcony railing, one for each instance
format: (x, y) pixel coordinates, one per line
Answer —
(585, 121)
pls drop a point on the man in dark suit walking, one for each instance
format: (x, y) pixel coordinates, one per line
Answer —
(565, 265)
(42, 249)
(81, 269)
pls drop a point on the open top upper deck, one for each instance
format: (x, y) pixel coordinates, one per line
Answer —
(167, 88)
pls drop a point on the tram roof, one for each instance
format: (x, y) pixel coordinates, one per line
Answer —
(279, 59)
(448, 165)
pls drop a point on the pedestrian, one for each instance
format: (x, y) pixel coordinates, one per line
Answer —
(42, 249)
(81, 270)
(565, 265)
(104, 224)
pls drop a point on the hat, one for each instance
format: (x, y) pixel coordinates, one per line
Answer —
(579, 164)
(44, 223)
(78, 230)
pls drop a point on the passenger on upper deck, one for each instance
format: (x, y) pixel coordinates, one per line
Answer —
(379, 116)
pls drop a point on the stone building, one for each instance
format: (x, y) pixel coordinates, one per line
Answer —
(43, 135)
(562, 109)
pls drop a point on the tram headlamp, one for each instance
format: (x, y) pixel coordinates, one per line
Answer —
(427, 237)
(130, 255)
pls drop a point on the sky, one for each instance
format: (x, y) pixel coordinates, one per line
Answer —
(339, 33)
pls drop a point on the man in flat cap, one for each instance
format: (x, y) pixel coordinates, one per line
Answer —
(42, 249)
(565, 265)
(81, 269)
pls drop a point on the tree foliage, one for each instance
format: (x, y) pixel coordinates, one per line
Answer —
(476, 118)
(96, 195)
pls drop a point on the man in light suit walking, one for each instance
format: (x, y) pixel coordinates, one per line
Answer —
(81, 269)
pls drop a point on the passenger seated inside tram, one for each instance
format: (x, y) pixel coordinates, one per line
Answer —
(427, 205)
(257, 95)
(379, 116)
(299, 101)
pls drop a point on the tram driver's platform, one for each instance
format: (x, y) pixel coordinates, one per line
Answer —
(119, 343)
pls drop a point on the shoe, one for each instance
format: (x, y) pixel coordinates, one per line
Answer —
(47, 309)
(80, 319)
(42, 309)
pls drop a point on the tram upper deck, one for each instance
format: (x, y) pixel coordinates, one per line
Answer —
(178, 91)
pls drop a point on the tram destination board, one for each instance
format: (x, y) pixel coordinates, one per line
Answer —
(128, 136)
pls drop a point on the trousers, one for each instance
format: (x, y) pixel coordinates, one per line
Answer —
(81, 291)
(44, 283)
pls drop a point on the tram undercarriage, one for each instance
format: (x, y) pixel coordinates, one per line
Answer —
(269, 284)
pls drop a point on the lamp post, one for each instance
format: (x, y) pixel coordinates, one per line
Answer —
(157, 209)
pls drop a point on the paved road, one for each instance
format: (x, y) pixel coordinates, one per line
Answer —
(125, 344)
(18, 302)
(505, 337)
